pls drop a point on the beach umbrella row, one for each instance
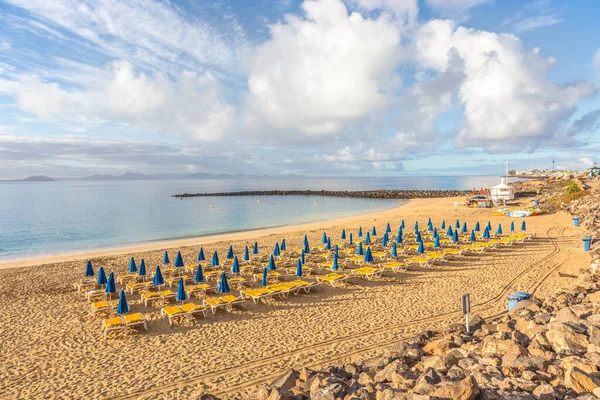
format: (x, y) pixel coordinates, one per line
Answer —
(158, 278)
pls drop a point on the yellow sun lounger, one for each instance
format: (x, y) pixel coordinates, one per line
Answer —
(434, 255)
(452, 251)
(471, 248)
(486, 245)
(520, 237)
(248, 269)
(368, 272)
(238, 282)
(84, 286)
(123, 323)
(193, 309)
(257, 295)
(163, 295)
(125, 279)
(329, 264)
(231, 300)
(303, 285)
(271, 276)
(133, 287)
(422, 261)
(174, 281)
(101, 306)
(200, 288)
(187, 310)
(380, 254)
(96, 295)
(305, 270)
(333, 279)
(358, 259)
(282, 288)
(172, 312)
(226, 302)
(395, 266)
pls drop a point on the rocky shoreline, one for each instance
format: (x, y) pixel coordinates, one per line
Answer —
(542, 350)
(363, 194)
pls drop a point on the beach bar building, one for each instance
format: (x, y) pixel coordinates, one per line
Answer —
(502, 192)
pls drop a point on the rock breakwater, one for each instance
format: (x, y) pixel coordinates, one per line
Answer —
(363, 194)
(543, 349)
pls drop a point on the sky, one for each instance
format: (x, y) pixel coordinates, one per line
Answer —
(313, 87)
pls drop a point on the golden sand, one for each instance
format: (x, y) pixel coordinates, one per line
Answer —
(52, 346)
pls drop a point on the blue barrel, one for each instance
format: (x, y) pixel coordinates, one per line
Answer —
(514, 298)
(536, 202)
(587, 242)
(576, 221)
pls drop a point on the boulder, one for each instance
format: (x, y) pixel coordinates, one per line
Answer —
(329, 392)
(286, 381)
(476, 322)
(527, 363)
(492, 345)
(409, 352)
(393, 394)
(565, 315)
(523, 384)
(437, 347)
(543, 318)
(594, 332)
(455, 374)
(530, 305)
(521, 338)
(430, 376)
(583, 364)
(305, 374)
(544, 392)
(594, 357)
(365, 378)
(581, 382)
(566, 341)
(593, 297)
(390, 372)
(439, 363)
(375, 363)
(467, 389)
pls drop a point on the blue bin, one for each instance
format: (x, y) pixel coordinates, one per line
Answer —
(514, 298)
(587, 242)
(536, 203)
(576, 221)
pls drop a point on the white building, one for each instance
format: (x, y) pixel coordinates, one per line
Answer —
(502, 192)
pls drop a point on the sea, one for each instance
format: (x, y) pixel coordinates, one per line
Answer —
(49, 218)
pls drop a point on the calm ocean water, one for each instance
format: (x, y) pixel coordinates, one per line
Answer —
(44, 218)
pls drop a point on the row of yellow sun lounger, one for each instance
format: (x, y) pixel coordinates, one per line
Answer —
(281, 289)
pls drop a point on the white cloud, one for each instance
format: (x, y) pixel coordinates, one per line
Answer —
(191, 105)
(151, 34)
(509, 103)
(323, 70)
(405, 11)
(540, 21)
(597, 61)
(456, 9)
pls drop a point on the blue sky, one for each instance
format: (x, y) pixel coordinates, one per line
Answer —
(315, 87)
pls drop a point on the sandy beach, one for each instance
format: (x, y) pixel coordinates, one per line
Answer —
(53, 346)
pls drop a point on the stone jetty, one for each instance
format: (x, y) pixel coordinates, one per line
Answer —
(363, 194)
